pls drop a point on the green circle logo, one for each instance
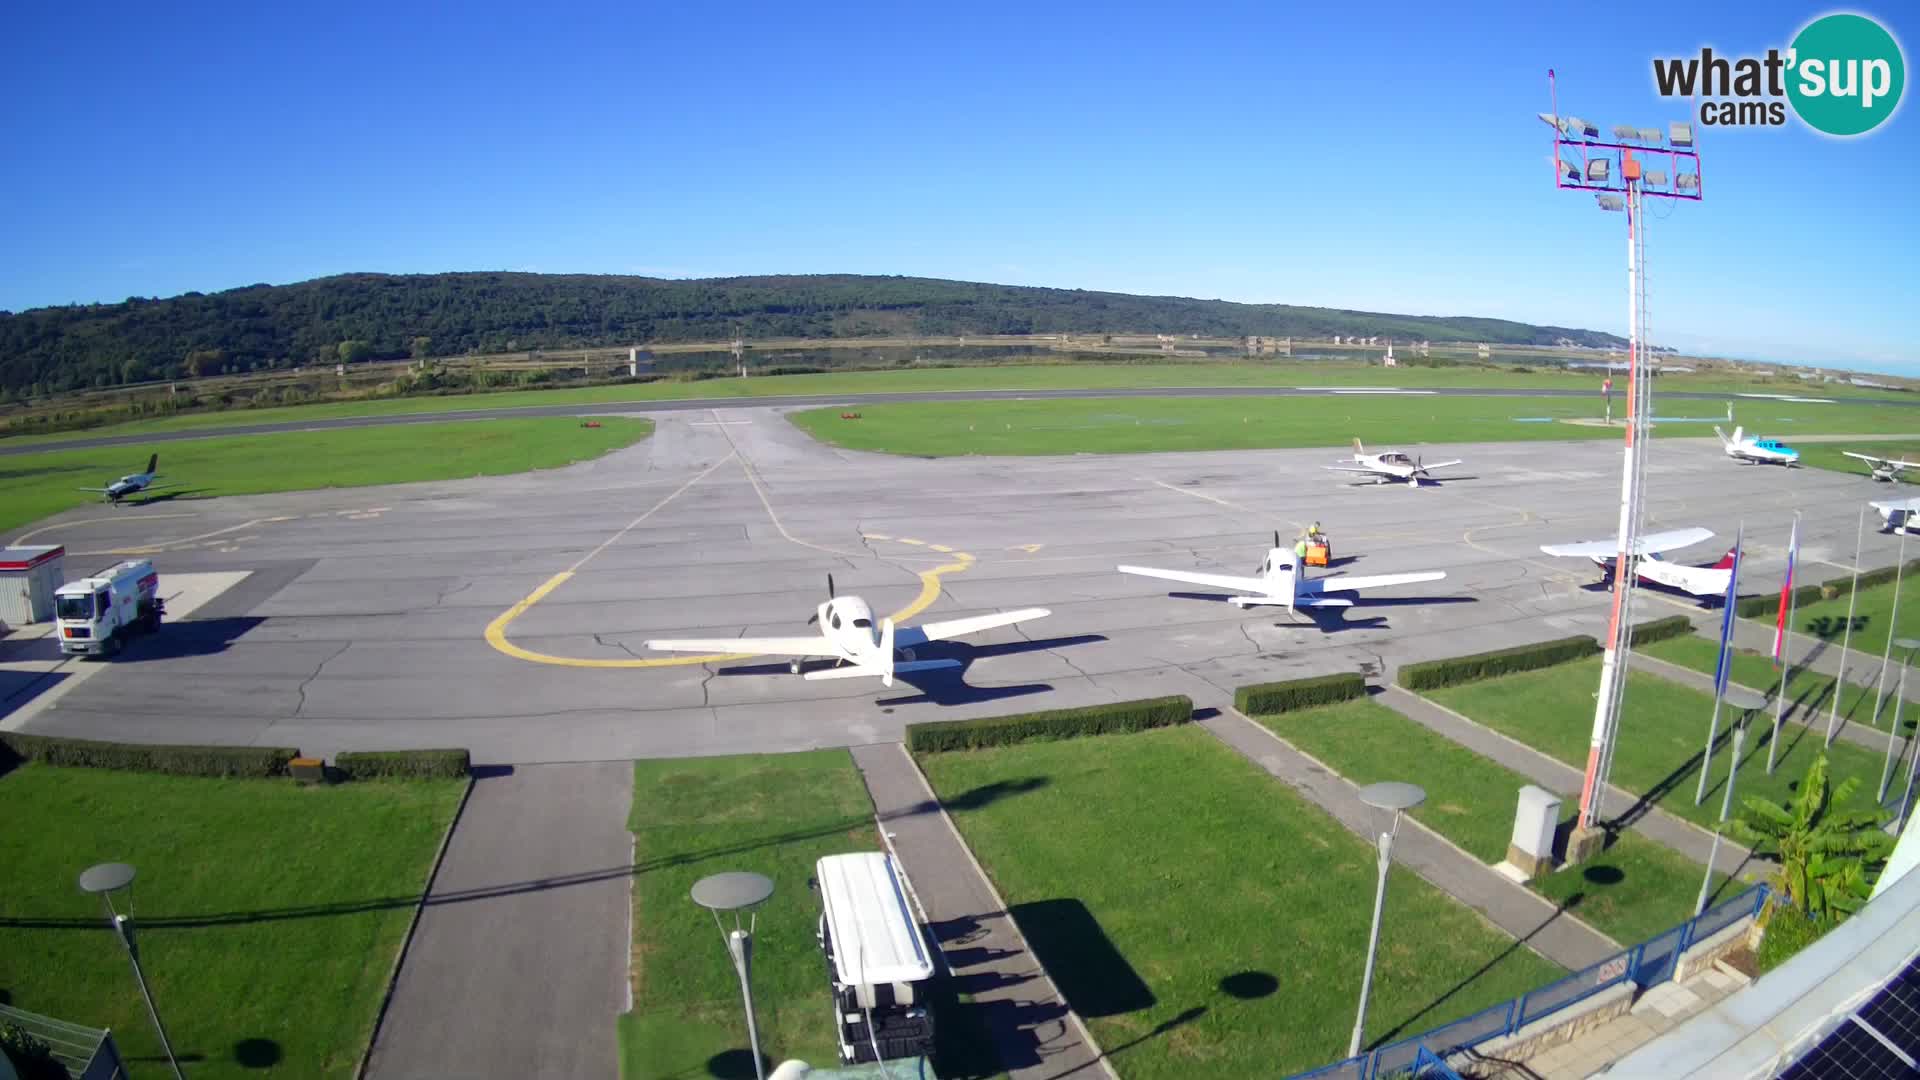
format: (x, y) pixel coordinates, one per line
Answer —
(1846, 74)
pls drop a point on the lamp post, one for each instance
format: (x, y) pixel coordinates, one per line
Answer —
(1747, 701)
(1619, 181)
(735, 892)
(1909, 646)
(104, 880)
(1398, 798)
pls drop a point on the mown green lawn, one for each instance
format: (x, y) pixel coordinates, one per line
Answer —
(774, 815)
(269, 915)
(1204, 919)
(1833, 456)
(1079, 375)
(33, 486)
(1872, 615)
(1136, 425)
(1806, 688)
(1663, 729)
(1636, 889)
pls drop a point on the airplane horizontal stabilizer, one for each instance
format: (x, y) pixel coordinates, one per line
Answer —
(1325, 601)
(855, 672)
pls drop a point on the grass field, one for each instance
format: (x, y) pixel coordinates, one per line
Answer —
(1635, 890)
(1833, 456)
(774, 815)
(1663, 729)
(1012, 377)
(1133, 425)
(1804, 685)
(269, 915)
(1204, 919)
(1872, 614)
(37, 485)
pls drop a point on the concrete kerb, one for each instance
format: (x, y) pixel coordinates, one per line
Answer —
(1462, 852)
(1100, 1056)
(1613, 790)
(413, 924)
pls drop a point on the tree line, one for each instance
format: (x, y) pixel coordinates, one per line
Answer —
(355, 317)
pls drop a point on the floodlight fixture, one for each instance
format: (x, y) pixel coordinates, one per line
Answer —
(1680, 133)
(1569, 172)
(1597, 170)
(1624, 132)
(1656, 178)
(1610, 202)
(1550, 120)
(1650, 136)
(1582, 127)
(1687, 181)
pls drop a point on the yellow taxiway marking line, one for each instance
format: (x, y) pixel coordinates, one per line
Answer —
(496, 633)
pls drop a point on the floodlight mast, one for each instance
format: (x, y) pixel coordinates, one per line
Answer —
(1621, 188)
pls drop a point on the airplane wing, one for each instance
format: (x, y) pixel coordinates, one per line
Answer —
(1867, 458)
(1648, 544)
(749, 646)
(1344, 583)
(909, 636)
(94, 490)
(1911, 506)
(1441, 464)
(1219, 581)
(1353, 468)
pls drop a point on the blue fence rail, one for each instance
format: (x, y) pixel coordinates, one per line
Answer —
(1647, 964)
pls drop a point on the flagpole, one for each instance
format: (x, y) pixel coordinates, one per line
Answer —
(1846, 634)
(1785, 635)
(1723, 668)
(1879, 688)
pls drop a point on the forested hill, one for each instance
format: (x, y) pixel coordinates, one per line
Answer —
(269, 326)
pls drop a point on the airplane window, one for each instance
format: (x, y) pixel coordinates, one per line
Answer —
(836, 622)
(865, 624)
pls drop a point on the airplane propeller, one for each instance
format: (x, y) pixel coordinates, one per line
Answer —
(815, 617)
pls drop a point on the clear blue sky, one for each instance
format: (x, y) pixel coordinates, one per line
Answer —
(1363, 155)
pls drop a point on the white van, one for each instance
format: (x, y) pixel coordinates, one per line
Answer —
(879, 961)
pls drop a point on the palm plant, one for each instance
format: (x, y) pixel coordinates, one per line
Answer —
(1828, 853)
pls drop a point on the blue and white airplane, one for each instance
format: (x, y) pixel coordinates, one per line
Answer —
(1757, 450)
(131, 484)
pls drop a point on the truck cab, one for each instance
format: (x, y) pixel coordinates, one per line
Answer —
(95, 615)
(879, 962)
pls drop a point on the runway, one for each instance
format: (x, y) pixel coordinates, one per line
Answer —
(365, 623)
(812, 401)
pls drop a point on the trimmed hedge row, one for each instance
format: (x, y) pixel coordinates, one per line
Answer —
(1265, 699)
(405, 765)
(1433, 674)
(1120, 716)
(1755, 606)
(248, 761)
(1672, 626)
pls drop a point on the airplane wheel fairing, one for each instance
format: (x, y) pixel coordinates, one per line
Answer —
(794, 666)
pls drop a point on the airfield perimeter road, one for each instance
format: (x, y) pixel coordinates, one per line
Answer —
(365, 623)
(811, 401)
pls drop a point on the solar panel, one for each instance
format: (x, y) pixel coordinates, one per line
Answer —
(1879, 1041)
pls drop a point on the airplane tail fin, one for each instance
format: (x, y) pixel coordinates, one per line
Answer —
(1725, 563)
(1724, 441)
(153, 464)
(886, 652)
(1358, 449)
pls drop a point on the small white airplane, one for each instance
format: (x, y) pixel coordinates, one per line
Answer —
(1887, 469)
(1757, 450)
(1709, 580)
(1281, 584)
(1389, 465)
(848, 635)
(1900, 514)
(130, 484)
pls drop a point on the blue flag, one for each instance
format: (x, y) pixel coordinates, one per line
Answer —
(1724, 669)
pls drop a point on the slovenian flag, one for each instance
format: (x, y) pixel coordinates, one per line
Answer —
(1786, 591)
(1723, 670)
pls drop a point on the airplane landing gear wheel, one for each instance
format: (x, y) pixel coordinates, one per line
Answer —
(907, 655)
(793, 666)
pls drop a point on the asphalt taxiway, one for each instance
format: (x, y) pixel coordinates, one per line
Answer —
(508, 614)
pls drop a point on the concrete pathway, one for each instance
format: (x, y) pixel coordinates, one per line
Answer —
(1649, 821)
(1519, 911)
(1035, 1032)
(518, 965)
